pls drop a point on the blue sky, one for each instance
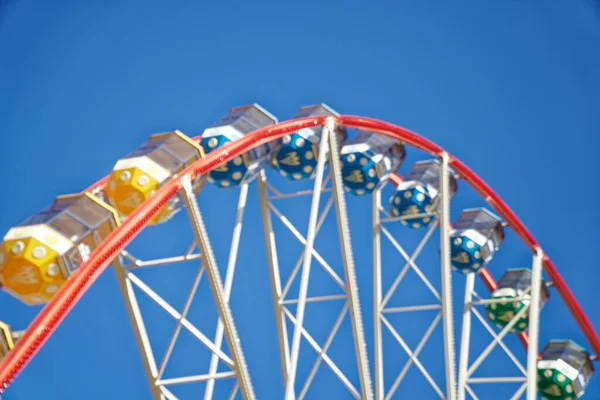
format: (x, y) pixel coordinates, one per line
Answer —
(510, 87)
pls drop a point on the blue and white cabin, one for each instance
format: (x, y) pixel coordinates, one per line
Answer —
(369, 160)
(296, 154)
(237, 123)
(476, 237)
(419, 194)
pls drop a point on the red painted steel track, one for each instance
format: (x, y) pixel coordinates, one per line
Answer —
(54, 312)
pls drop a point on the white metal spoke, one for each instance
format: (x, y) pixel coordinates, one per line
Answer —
(448, 321)
(412, 356)
(274, 275)
(426, 307)
(177, 330)
(216, 285)
(496, 340)
(360, 345)
(167, 393)
(196, 378)
(383, 210)
(269, 186)
(191, 248)
(304, 241)
(472, 393)
(281, 295)
(501, 379)
(136, 263)
(234, 391)
(167, 261)
(334, 368)
(177, 316)
(300, 193)
(416, 352)
(377, 296)
(500, 342)
(316, 299)
(534, 325)
(519, 392)
(139, 328)
(290, 393)
(233, 253)
(410, 216)
(410, 262)
(328, 341)
(296, 268)
(465, 337)
(131, 258)
(380, 305)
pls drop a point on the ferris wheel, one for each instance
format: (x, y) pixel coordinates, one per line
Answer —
(401, 246)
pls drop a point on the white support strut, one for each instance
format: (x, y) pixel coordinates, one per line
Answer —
(290, 393)
(214, 277)
(534, 324)
(377, 297)
(275, 276)
(139, 329)
(448, 321)
(465, 338)
(360, 344)
(233, 252)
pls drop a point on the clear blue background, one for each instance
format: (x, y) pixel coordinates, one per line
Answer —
(510, 87)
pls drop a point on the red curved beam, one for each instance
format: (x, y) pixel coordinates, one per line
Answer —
(56, 310)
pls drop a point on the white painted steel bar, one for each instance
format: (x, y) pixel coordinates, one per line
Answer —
(298, 264)
(216, 285)
(234, 391)
(501, 379)
(519, 392)
(290, 392)
(496, 340)
(472, 393)
(416, 352)
(384, 212)
(448, 319)
(168, 260)
(176, 315)
(231, 263)
(413, 357)
(300, 193)
(501, 343)
(274, 275)
(465, 337)
(196, 378)
(168, 394)
(316, 299)
(360, 344)
(410, 216)
(334, 368)
(408, 264)
(177, 330)
(411, 263)
(139, 329)
(485, 302)
(377, 296)
(304, 241)
(328, 341)
(426, 307)
(534, 324)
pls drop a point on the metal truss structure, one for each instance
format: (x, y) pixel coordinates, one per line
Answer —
(227, 360)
